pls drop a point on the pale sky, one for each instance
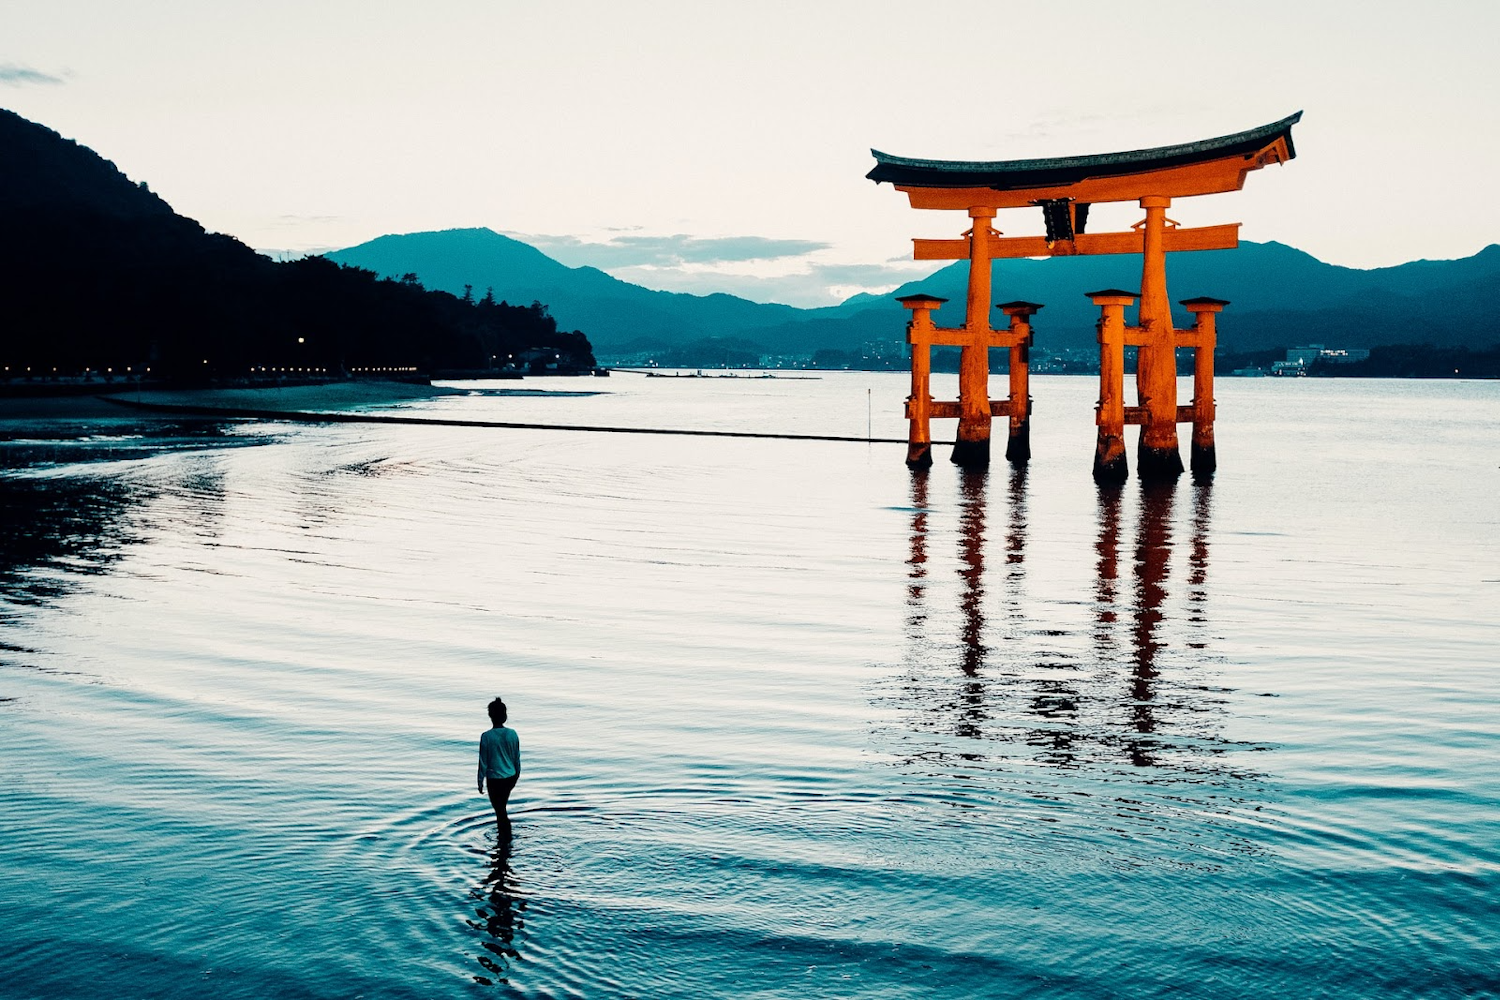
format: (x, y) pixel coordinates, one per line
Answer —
(711, 146)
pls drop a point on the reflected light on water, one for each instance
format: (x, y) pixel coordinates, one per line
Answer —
(1127, 632)
(797, 721)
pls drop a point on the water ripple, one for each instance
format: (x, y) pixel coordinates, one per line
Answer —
(796, 723)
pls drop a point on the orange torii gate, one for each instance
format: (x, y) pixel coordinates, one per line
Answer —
(1064, 188)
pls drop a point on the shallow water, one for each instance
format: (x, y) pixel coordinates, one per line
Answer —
(795, 723)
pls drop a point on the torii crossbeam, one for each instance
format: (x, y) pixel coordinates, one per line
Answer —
(1064, 188)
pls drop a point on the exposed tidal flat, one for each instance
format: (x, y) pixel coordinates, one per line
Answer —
(795, 723)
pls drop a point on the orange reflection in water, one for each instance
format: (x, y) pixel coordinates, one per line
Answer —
(971, 568)
(1151, 569)
(1008, 665)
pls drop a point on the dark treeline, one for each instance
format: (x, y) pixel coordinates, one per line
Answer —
(1226, 362)
(83, 293)
(97, 272)
(1417, 361)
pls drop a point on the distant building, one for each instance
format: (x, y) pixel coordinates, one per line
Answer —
(884, 350)
(1300, 359)
(1343, 356)
(1328, 355)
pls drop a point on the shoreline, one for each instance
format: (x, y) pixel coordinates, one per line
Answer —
(332, 396)
(347, 417)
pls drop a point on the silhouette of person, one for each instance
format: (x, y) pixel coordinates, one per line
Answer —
(499, 764)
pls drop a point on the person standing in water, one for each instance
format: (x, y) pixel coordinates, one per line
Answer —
(499, 764)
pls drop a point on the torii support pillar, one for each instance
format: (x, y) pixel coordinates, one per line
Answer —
(971, 446)
(1018, 445)
(919, 333)
(1110, 463)
(1157, 457)
(1202, 338)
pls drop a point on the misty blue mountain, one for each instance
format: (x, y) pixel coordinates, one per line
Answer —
(609, 310)
(1279, 296)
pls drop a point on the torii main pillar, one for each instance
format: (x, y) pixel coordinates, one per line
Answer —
(1157, 456)
(971, 446)
(1064, 188)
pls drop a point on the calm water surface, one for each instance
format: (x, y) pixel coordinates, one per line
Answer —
(796, 723)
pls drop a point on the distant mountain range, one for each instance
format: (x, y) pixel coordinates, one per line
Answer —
(609, 310)
(1279, 296)
(97, 271)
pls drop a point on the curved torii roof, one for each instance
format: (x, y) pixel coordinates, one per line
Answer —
(1208, 166)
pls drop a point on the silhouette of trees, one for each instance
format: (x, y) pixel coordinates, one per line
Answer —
(96, 272)
(85, 292)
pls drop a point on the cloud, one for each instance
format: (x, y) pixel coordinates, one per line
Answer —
(815, 284)
(873, 275)
(16, 75)
(759, 268)
(667, 251)
(1049, 125)
(1121, 128)
(290, 220)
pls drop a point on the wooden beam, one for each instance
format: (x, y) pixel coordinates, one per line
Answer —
(950, 409)
(1137, 337)
(940, 336)
(1225, 237)
(1189, 338)
(1137, 415)
(940, 250)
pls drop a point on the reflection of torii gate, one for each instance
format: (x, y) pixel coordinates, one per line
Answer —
(1064, 188)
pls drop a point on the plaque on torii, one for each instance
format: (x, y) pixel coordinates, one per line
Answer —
(1064, 188)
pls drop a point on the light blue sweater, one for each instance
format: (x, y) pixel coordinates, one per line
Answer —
(499, 753)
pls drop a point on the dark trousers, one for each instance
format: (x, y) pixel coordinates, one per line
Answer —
(500, 789)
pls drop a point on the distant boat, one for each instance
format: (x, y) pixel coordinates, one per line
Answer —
(699, 374)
